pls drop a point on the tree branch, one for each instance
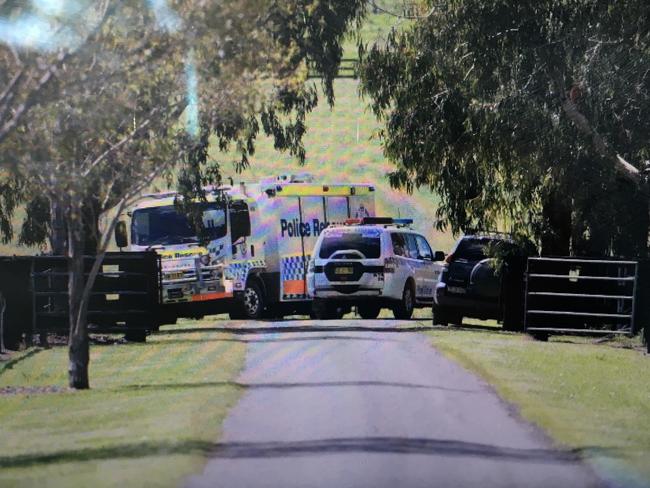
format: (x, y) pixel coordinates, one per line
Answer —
(33, 96)
(580, 121)
(128, 198)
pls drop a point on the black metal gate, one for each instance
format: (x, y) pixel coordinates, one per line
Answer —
(574, 295)
(125, 296)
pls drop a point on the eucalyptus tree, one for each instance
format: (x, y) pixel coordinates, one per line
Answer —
(141, 90)
(528, 115)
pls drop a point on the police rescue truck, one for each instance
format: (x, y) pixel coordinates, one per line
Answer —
(259, 240)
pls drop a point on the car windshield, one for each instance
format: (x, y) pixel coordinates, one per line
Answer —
(165, 226)
(366, 241)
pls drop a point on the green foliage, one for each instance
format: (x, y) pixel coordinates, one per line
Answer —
(111, 116)
(502, 106)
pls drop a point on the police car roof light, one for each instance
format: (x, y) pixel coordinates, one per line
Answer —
(377, 220)
(353, 221)
(403, 221)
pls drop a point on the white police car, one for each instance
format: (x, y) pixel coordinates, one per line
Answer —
(373, 263)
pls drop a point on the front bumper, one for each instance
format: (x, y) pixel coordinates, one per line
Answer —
(353, 293)
(198, 284)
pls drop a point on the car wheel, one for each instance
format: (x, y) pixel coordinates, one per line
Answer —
(404, 309)
(368, 311)
(253, 303)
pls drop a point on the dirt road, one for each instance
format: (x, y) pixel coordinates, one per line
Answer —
(368, 404)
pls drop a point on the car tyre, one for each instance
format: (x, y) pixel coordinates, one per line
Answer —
(253, 302)
(403, 310)
(368, 311)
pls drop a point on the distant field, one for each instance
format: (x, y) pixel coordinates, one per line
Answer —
(341, 147)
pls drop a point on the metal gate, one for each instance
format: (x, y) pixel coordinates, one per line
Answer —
(580, 295)
(125, 296)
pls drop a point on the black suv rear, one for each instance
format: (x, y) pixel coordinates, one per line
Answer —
(474, 285)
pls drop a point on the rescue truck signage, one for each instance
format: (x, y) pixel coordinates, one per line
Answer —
(294, 228)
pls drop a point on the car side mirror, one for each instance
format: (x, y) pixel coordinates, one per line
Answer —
(121, 238)
(439, 256)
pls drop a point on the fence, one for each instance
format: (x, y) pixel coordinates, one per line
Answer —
(349, 68)
(125, 297)
(583, 296)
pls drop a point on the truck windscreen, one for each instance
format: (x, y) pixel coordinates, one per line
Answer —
(366, 243)
(165, 226)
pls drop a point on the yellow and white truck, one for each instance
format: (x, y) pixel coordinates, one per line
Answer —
(259, 239)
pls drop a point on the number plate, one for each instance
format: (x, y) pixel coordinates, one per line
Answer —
(457, 289)
(176, 276)
(344, 271)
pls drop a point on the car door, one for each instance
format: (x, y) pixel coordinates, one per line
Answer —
(402, 269)
(428, 273)
(414, 262)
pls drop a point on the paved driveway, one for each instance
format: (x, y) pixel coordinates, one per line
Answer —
(366, 404)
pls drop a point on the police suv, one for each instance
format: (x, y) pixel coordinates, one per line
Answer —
(372, 263)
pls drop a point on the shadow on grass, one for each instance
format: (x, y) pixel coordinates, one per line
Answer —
(280, 385)
(4, 367)
(290, 329)
(272, 449)
(267, 340)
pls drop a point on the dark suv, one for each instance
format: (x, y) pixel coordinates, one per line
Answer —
(475, 285)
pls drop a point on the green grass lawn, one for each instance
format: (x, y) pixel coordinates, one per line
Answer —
(152, 413)
(589, 396)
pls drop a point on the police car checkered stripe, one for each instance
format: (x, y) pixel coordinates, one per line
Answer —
(293, 268)
(239, 269)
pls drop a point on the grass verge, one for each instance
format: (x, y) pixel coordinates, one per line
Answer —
(153, 412)
(586, 395)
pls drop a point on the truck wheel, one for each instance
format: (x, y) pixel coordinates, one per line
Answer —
(368, 311)
(440, 317)
(404, 309)
(253, 301)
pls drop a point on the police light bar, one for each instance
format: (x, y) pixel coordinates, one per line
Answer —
(353, 221)
(403, 221)
(386, 221)
(377, 220)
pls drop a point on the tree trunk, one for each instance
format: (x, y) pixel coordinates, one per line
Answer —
(3, 307)
(58, 232)
(556, 240)
(78, 352)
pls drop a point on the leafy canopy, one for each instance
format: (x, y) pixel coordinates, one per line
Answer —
(507, 108)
